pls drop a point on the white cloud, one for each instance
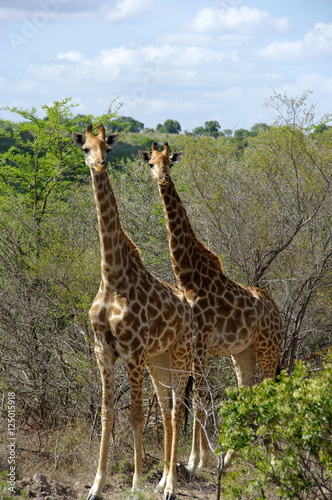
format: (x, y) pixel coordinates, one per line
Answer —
(240, 20)
(133, 64)
(195, 57)
(319, 40)
(286, 52)
(227, 27)
(124, 9)
(315, 44)
(72, 55)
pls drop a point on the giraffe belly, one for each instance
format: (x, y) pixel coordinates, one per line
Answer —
(228, 343)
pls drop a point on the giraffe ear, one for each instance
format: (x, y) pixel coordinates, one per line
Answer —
(144, 156)
(176, 157)
(78, 139)
(112, 139)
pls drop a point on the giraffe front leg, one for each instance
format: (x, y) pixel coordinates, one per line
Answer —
(106, 362)
(135, 374)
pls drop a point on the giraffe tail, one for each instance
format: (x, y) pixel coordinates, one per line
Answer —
(187, 400)
(278, 371)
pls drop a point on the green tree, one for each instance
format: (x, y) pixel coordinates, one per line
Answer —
(199, 131)
(241, 134)
(212, 127)
(258, 128)
(37, 162)
(40, 161)
(170, 127)
(125, 124)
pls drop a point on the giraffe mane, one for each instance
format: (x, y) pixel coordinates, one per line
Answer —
(132, 245)
(212, 256)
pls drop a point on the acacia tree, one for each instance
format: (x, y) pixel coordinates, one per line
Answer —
(40, 161)
(49, 268)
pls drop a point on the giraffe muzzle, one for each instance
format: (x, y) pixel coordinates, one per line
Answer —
(163, 179)
(100, 166)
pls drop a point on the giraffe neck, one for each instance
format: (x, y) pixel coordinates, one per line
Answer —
(117, 249)
(187, 252)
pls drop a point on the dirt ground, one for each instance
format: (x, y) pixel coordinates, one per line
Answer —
(117, 488)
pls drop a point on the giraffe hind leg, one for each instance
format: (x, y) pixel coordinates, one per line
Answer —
(200, 448)
(244, 364)
(106, 361)
(159, 368)
(180, 376)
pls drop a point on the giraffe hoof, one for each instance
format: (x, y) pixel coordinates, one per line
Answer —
(94, 497)
(169, 496)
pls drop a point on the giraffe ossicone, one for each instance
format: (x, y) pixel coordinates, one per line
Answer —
(233, 319)
(144, 321)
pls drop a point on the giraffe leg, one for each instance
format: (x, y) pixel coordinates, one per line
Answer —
(200, 447)
(106, 361)
(244, 363)
(180, 377)
(160, 371)
(268, 361)
(136, 374)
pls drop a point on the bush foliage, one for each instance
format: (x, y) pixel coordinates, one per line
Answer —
(281, 434)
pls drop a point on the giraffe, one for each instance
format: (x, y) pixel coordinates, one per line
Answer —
(144, 321)
(233, 319)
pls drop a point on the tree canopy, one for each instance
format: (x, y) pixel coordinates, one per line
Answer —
(169, 127)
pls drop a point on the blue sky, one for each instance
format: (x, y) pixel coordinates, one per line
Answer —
(190, 61)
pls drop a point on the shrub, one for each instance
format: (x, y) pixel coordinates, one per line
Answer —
(281, 435)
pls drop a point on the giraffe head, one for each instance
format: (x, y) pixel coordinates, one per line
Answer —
(95, 147)
(160, 162)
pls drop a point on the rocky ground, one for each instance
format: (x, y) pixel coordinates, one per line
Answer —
(41, 486)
